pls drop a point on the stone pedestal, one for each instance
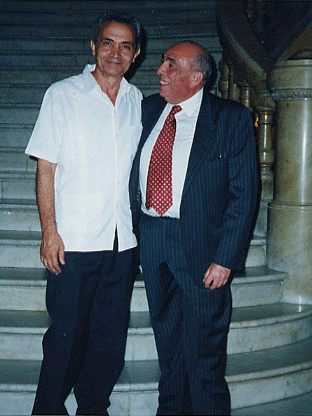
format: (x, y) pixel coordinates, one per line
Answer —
(290, 213)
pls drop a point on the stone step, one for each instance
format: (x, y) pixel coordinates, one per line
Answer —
(18, 44)
(39, 82)
(264, 376)
(21, 248)
(14, 159)
(179, 15)
(31, 59)
(67, 6)
(19, 94)
(22, 215)
(19, 215)
(252, 329)
(84, 31)
(257, 252)
(29, 87)
(41, 78)
(17, 185)
(257, 286)
(77, 59)
(299, 406)
(22, 115)
(24, 289)
(34, 76)
(24, 94)
(256, 377)
(21, 335)
(15, 135)
(146, 79)
(268, 326)
(76, 64)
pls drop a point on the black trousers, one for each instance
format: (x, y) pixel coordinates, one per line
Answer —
(190, 324)
(89, 304)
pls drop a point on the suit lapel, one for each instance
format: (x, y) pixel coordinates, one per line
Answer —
(151, 120)
(151, 115)
(203, 138)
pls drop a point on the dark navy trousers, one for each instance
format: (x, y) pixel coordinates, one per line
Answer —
(190, 324)
(89, 304)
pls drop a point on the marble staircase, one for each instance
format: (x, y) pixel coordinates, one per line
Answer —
(269, 341)
(269, 344)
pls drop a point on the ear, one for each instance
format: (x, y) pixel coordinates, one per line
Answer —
(197, 78)
(92, 47)
(136, 54)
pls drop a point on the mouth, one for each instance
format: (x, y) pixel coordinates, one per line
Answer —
(163, 82)
(114, 61)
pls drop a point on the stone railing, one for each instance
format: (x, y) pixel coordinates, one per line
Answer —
(263, 117)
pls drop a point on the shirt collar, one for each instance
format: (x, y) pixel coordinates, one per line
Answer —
(91, 83)
(190, 106)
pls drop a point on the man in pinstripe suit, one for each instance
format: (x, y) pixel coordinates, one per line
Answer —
(188, 252)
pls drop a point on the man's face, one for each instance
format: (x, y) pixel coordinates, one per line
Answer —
(115, 49)
(178, 80)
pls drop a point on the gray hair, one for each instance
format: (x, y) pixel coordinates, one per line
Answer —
(204, 63)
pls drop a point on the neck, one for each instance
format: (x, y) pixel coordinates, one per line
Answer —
(109, 85)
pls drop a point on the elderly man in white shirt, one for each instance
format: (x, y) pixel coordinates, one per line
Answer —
(85, 140)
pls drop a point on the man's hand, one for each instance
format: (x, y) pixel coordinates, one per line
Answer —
(216, 276)
(52, 250)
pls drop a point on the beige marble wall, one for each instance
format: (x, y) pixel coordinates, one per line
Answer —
(290, 214)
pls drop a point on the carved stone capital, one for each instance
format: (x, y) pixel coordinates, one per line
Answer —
(291, 80)
(291, 95)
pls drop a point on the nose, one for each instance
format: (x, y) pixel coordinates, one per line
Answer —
(160, 70)
(115, 51)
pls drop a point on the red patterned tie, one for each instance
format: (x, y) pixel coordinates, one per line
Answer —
(159, 177)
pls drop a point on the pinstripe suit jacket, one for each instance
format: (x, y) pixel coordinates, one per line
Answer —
(220, 189)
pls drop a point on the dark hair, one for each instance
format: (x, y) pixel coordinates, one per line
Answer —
(119, 17)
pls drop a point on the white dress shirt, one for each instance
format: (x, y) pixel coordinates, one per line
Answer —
(93, 143)
(186, 121)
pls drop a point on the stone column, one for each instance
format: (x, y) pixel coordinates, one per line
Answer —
(290, 212)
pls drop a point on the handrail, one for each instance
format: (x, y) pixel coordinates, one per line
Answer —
(241, 44)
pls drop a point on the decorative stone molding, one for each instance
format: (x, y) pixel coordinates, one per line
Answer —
(291, 95)
(292, 79)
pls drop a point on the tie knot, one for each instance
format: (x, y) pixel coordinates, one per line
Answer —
(175, 109)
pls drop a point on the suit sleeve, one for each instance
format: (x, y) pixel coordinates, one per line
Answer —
(242, 194)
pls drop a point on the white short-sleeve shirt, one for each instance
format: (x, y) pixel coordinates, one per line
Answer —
(93, 143)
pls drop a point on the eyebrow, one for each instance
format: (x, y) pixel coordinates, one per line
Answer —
(168, 59)
(113, 40)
